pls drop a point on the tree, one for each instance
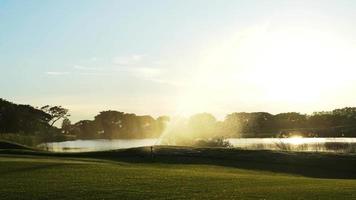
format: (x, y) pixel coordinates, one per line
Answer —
(237, 124)
(110, 123)
(290, 120)
(146, 126)
(85, 129)
(161, 124)
(16, 118)
(66, 126)
(202, 125)
(56, 113)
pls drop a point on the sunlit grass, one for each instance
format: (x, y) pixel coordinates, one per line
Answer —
(53, 178)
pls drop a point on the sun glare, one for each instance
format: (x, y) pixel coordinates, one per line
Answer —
(292, 66)
(295, 140)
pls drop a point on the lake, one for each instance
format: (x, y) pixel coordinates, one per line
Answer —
(96, 145)
(341, 145)
(345, 145)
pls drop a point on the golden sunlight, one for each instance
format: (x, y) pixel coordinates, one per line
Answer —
(263, 64)
(296, 140)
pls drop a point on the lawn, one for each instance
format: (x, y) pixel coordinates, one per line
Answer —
(33, 175)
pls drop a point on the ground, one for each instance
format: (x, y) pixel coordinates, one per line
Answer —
(33, 175)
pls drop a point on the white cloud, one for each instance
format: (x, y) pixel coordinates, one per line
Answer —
(95, 73)
(128, 60)
(52, 73)
(146, 72)
(85, 68)
(155, 75)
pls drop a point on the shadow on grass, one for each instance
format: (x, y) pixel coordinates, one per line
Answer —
(28, 169)
(11, 145)
(316, 165)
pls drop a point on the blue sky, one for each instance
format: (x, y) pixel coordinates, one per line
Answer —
(177, 57)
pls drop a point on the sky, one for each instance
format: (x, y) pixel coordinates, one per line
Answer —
(166, 57)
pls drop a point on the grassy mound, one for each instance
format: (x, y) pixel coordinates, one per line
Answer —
(11, 145)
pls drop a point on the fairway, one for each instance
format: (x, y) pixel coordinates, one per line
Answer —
(40, 177)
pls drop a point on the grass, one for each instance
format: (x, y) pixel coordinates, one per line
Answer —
(12, 145)
(174, 173)
(30, 140)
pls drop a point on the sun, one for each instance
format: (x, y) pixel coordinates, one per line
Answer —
(280, 68)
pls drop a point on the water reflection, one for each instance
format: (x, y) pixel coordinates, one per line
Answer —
(345, 145)
(96, 145)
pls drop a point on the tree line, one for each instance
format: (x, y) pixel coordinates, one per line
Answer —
(27, 120)
(114, 124)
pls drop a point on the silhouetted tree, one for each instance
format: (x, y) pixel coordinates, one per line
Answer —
(56, 113)
(86, 129)
(24, 119)
(66, 126)
(110, 122)
(291, 120)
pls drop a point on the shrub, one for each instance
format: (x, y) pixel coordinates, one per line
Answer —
(213, 142)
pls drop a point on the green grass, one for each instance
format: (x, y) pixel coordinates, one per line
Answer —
(174, 173)
(11, 145)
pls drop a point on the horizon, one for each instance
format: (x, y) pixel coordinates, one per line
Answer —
(179, 117)
(173, 58)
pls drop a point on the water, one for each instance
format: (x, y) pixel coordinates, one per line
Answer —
(346, 145)
(96, 145)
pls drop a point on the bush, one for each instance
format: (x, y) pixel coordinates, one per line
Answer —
(213, 142)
